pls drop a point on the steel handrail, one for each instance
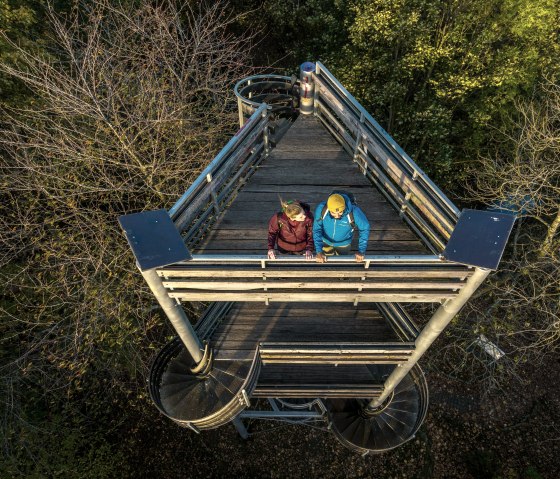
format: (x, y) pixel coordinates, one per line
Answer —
(256, 79)
(322, 70)
(368, 259)
(218, 161)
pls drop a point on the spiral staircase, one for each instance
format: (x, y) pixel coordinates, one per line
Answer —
(200, 398)
(387, 427)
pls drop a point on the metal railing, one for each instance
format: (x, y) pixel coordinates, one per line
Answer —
(206, 198)
(277, 91)
(255, 278)
(422, 205)
(420, 202)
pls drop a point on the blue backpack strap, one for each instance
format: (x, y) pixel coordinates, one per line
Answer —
(324, 213)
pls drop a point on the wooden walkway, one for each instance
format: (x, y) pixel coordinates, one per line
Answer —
(306, 165)
(249, 324)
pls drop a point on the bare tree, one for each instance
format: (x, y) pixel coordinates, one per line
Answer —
(128, 107)
(519, 309)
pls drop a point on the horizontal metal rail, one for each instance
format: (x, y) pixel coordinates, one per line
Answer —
(421, 203)
(210, 284)
(347, 259)
(251, 278)
(293, 296)
(400, 321)
(341, 270)
(287, 390)
(281, 415)
(335, 353)
(206, 193)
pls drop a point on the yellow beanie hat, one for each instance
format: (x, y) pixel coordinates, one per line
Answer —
(336, 203)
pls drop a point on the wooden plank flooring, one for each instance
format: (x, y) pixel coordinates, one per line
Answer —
(306, 165)
(249, 324)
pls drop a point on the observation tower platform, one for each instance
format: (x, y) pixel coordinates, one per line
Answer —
(318, 342)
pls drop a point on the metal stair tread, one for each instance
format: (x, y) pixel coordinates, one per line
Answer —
(168, 393)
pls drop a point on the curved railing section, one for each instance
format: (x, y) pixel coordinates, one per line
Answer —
(279, 92)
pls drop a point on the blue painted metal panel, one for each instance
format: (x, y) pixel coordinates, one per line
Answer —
(479, 239)
(154, 239)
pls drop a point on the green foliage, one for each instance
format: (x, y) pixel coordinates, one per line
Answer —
(532, 473)
(437, 74)
(19, 22)
(54, 440)
(294, 31)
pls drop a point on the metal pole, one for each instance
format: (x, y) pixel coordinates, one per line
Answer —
(240, 111)
(266, 136)
(241, 429)
(176, 315)
(438, 322)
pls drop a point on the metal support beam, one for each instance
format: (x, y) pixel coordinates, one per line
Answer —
(241, 429)
(175, 314)
(438, 322)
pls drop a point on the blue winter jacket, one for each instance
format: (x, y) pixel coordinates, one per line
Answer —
(338, 232)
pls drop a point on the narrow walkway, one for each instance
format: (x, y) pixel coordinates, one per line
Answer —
(248, 324)
(306, 165)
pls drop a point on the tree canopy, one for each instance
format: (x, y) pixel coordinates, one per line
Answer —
(110, 108)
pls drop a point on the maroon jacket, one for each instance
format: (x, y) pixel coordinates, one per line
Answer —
(293, 236)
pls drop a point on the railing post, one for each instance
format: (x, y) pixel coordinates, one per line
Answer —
(307, 88)
(213, 195)
(441, 318)
(358, 142)
(240, 111)
(266, 132)
(175, 314)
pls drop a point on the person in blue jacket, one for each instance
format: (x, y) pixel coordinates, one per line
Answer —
(333, 227)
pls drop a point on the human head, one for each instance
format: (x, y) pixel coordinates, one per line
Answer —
(336, 205)
(293, 210)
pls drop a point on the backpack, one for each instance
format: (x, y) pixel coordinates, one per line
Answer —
(350, 215)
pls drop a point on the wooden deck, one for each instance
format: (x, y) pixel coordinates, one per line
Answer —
(249, 324)
(306, 165)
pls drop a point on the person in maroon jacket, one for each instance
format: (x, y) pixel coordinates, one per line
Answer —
(291, 230)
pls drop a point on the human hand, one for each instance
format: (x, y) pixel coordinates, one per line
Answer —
(359, 257)
(271, 254)
(308, 255)
(321, 258)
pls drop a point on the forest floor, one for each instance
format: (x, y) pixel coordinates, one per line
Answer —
(467, 434)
